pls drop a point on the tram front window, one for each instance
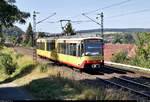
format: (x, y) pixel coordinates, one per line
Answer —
(93, 48)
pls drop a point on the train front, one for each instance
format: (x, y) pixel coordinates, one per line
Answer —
(93, 53)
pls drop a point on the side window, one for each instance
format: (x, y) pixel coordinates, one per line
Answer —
(61, 48)
(53, 45)
(43, 46)
(79, 50)
(64, 48)
(48, 46)
(40, 45)
(73, 49)
(58, 47)
(67, 48)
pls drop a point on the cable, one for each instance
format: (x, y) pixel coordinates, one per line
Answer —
(129, 13)
(46, 18)
(109, 6)
(113, 5)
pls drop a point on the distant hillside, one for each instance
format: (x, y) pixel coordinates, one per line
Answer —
(13, 31)
(123, 30)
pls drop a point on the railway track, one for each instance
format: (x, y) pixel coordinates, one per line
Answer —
(125, 84)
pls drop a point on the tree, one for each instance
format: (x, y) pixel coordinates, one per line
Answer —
(69, 30)
(10, 14)
(117, 39)
(29, 35)
(41, 35)
(142, 57)
(128, 38)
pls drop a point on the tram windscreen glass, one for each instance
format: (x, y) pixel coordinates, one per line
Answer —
(93, 47)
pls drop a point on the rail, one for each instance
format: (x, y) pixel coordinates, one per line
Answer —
(135, 67)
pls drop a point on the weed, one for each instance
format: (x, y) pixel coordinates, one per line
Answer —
(43, 68)
(18, 55)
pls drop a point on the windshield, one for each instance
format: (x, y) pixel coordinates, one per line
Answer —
(93, 47)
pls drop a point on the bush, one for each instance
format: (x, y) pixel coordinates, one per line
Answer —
(18, 55)
(119, 57)
(6, 62)
(43, 68)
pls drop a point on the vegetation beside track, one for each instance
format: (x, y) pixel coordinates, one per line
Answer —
(47, 82)
(142, 56)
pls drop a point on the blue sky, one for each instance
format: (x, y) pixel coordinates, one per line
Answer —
(67, 9)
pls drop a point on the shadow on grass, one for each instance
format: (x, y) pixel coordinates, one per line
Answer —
(26, 70)
(58, 88)
(55, 88)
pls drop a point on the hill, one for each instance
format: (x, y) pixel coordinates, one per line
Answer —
(12, 31)
(123, 30)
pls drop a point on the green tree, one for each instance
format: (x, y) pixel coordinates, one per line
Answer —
(120, 57)
(10, 14)
(69, 30)
(128, 38)
(117, 39)
(41, 35)
(29, 35)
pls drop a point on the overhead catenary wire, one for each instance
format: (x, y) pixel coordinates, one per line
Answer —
(78, 21)
(129, 13)
(46, 18)
(109, 6)
(106, 7)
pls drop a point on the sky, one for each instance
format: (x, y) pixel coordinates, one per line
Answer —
(73, 9)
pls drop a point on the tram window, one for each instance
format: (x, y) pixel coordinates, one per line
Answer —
(42, 46)
(53, 45)
(48, 46)
(67, 48)
(64, 48)
(78, 50)
(73, 49)
(61, 48)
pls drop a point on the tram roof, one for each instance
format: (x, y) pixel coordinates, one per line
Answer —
(67, 38)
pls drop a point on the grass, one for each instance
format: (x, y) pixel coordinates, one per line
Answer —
(59, 88)
(53, 84)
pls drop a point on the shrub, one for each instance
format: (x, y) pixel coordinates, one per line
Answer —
(6, 62)
(43, 68)
(119, 57)
(18, 55)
